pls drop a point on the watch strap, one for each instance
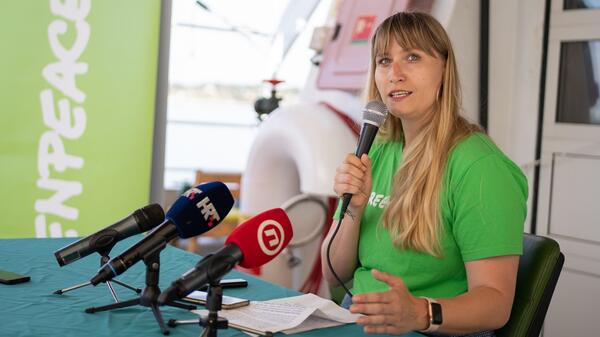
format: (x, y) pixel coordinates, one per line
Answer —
(434, 313)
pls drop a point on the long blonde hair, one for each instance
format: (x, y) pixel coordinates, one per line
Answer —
(413, 216)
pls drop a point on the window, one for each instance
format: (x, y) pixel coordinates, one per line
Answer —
(220, 53)
(581, 4)
(578, 97)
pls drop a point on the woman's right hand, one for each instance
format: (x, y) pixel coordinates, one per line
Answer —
(354, 176)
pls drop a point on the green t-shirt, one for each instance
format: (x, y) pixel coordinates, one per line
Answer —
(483, 208)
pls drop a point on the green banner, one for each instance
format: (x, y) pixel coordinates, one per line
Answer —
(77, 98)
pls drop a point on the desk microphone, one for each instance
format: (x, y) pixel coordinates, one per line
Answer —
(198, 210)
(253, 243)
(103, 240)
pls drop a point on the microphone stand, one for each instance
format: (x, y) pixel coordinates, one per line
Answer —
(149, 294)
(104, 258)
(211, 323)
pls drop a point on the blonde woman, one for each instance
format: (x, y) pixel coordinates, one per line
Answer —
(433, 233)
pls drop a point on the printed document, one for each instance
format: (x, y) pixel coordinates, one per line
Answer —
(288, 315)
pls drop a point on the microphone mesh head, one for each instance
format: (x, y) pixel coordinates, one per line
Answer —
(149, 216)
(375, 113)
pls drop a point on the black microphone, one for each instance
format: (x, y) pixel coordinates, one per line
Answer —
(251, 244)
(198, 210)
(103, 240)
(374, 114)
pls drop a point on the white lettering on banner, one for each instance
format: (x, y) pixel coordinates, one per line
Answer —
(69, 123)
(55, 204)
(62, 125)
(208, 209)
(62, 77)
(55, 228)
(58, 158)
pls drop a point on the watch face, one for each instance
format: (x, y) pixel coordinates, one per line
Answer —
(436, 313)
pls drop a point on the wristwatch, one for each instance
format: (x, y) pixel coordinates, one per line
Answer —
(435, 315)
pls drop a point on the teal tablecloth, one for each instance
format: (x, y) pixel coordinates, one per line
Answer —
(31, 309)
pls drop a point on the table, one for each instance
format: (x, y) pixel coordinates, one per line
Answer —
(31, 309)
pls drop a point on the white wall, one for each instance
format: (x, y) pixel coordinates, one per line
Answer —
(463, 27)
(516, 33)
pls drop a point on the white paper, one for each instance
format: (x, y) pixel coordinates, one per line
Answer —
(311, 323)
(227, 300)
(323, 308)
(289, 315)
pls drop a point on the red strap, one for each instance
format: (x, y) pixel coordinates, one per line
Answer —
(354, 127)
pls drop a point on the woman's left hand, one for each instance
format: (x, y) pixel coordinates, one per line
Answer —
(394, 311)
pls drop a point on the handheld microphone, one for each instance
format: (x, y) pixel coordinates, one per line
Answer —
(103, 240)
(253, 243)
(198, 210)
(374, 114)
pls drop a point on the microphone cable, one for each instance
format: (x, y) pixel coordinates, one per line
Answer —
(374, 115)
(337, 228)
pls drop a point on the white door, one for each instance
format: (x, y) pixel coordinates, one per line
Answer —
(569, 192)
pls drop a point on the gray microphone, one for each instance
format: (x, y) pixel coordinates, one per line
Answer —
(102, 241)
(374, 114)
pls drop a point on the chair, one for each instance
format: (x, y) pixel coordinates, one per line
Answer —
(233, 182)
(539, 268)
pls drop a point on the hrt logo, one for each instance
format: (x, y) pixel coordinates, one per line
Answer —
(192, 192)
(208, 210)
(270, 237)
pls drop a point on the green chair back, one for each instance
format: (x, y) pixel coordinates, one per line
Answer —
(539, 268)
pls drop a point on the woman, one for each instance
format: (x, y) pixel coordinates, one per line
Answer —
(433, 233)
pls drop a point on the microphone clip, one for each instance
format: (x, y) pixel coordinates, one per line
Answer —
(104, 258)
(214, 301)
(149, 295)
(211, 322)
